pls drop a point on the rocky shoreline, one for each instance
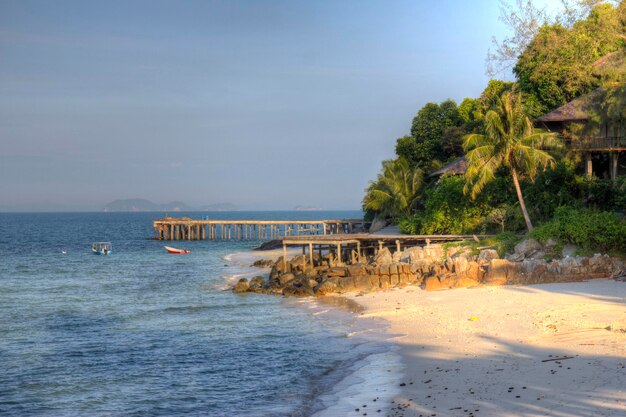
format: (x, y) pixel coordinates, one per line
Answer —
(433, 266)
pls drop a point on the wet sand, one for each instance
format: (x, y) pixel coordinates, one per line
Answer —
(544, 350)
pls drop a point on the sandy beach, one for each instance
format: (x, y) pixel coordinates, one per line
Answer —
(544, 350)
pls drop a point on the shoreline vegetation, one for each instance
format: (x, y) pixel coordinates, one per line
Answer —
(543, 155)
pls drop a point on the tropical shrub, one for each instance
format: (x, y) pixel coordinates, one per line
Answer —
(588, 229)
(447, 209)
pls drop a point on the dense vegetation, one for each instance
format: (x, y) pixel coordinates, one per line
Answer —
(518, 174)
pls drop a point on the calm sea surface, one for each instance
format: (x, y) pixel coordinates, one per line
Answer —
(141, 332)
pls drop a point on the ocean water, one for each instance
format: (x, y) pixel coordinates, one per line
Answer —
(144, 333)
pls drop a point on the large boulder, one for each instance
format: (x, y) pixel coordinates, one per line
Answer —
(256, 283)
(298, 262)
(297, 291)
(434, 252)
(325, 287)
(285, 279)
(357, 270)
(459, 264)
(568, 251)
(383, 257)
(241, 286)
(432, 284)
(263, 263)
(474, 272)
(528, 248)
(487, 255)
(364, 283)
(412, 255)
(463, 282)
(497, 272)
(337, 271)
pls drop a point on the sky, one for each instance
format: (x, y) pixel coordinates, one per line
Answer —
(263, 104)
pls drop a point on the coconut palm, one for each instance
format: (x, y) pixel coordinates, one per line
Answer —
(510, 141)
(396, 190)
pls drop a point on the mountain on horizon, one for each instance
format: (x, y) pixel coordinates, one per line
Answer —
(141, 204)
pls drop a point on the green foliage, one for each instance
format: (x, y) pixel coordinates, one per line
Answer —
(554, 187)
(503, 242)
(435, 134)
(510, 141)
(396, 191)
(603, 194)
(558, 64)
(448, 211)
(586, 228)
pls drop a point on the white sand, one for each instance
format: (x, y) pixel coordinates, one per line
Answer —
(480, 351)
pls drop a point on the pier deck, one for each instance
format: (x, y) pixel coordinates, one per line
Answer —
(172, 228)
(354, 246)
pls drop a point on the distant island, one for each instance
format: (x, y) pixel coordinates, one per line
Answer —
(140, 204)
(306, 208)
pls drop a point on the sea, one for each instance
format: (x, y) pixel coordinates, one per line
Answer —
(144, 333)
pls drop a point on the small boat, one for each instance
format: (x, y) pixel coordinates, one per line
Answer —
(175, 251)
(101, 248)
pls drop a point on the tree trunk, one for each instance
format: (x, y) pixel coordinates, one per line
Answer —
(520, 197)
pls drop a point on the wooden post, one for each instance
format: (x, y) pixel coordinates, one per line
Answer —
(338, 253)
(311, 253)
(358, 248)
(284, 256)
(324, 228)
(588, 165)
(380, 245)
(398, 247)
(613, 158)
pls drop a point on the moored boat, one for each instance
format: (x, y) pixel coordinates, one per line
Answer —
(175, 251)
(101, 248)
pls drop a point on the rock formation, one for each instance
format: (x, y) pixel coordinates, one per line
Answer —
(431, 266)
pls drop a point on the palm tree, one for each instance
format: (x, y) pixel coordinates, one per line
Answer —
(396, 189)
(510, 141)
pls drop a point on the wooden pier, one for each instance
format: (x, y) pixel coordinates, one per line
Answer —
(354, 248)
(172, 228)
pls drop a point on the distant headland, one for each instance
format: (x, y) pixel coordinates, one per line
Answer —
(140, 204)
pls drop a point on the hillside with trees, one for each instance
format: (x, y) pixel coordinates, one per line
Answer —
(516, 176)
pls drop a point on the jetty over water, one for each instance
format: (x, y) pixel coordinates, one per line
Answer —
(352, 248)
(185, 228)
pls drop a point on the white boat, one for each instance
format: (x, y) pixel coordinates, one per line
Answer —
(101, 248)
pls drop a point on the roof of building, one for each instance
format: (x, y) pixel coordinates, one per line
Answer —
(574, 110)
(456, 167)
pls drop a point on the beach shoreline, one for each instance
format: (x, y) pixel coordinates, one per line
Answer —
(550, 349)
(367, 377)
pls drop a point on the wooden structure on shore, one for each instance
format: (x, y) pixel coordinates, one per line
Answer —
(608, 139)
(172, 228)
(354, 247)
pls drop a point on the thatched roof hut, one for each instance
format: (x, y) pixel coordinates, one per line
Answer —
(574, 110)
(456, 167)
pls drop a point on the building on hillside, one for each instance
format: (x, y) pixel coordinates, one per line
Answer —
(456, 167)
(603, 146)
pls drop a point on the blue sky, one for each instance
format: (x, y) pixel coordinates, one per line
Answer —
(265, 104)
